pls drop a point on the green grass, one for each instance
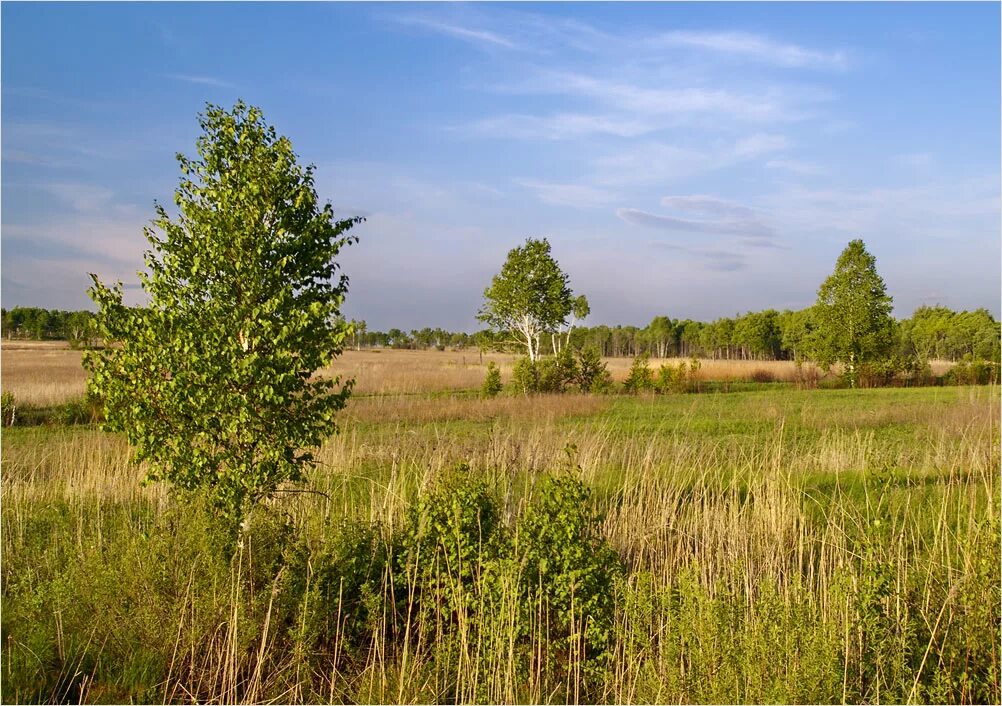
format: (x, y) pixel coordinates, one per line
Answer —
(774, 544)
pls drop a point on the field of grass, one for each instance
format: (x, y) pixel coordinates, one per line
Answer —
(43, 373)
(771, 544)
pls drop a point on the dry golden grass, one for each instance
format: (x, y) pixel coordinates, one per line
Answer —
(45, 373)
(41, 372)
(393, 408)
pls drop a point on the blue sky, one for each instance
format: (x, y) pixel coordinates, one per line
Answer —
(694, 160)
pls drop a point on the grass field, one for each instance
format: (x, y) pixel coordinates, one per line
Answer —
(771, 544)
(48, 372)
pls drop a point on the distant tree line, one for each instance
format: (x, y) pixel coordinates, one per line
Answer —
(37, 324)
(932, 333)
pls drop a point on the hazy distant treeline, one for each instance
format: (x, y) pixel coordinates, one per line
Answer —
(34, 323)
(931, 333)
(934, 332)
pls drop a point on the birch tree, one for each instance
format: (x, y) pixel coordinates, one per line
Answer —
(212, 380)
(852, 317)
(530, 296)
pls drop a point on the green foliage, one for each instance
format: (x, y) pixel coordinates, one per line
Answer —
(570, 571)
(85, 410)
(344, 601)
(492, 382)
(592, 374)
(678, 379)
(529, 296)
(557, 372)
(972, 372)
(524, 377)
(212, 380)
(450, 538)
(8, 409)
(641, 377)
(853, 313)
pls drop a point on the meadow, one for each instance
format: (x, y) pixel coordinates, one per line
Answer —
(745, 544)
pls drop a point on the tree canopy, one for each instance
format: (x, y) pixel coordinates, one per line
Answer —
(852, 316)
(529, 296)
(212, 380)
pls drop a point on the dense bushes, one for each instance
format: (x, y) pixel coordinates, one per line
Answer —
(584, 372)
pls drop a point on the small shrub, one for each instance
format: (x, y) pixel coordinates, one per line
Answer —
(972, 372)
(641, 377)
(671, 379)
(592, 374)
(524, 377)
(492, 383)
(762, 375)
(679, 379)
(570, 569)
(449, 536)
(8, 409)
(557, 372)
(346, 588)
(85, 410)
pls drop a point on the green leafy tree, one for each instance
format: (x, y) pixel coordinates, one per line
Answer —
(492, 382)
(529, 297)
(592, 373)
(212, 381)
(852, 317)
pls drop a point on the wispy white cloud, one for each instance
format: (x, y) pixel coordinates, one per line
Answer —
(746, 227)
(562, 126)
(636, 98)
(200, 80)
(475, 36)
(573, 195)
(716, 259)
(709, 205)
(796, 167)
(756, 145)
(914, 160)
(83, 198)
(755, 47)
(659, 162)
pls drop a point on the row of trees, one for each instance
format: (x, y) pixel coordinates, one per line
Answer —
(850, 324)
(932, 333)
(29, 322)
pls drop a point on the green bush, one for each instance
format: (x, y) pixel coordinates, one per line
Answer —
(683, 378)
(84, 410)
(449, 536)
(972, 372)
(640, 378)
(492, 383)
(524, 377)
(592, 373)
(556, 372)
(8, 409)
(570, 570)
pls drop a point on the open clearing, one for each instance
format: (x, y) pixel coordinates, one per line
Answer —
(776, 545)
